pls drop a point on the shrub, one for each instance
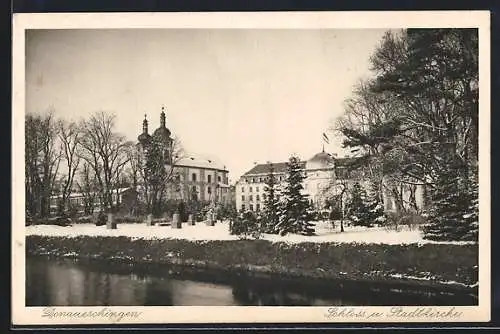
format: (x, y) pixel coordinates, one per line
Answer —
(410, 220)
(335, 213)
(246, 225)
(128, 219)
(84, 220)
(442, 262)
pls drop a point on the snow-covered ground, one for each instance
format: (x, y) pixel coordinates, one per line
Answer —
(324, 231)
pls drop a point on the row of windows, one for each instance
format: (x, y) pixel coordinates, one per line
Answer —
(209, 178)
(209, 189)
(251, 207)
(250, 197)
(263, 179)
(278, 178)
(250, 189)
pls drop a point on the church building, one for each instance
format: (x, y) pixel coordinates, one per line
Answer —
(200, 177)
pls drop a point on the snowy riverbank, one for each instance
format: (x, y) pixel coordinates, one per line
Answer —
(201, 232)
(395, 258)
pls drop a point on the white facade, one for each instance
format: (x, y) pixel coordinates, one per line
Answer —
(319, 172)
(325, 177)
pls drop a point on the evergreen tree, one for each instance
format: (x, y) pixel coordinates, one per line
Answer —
(375, 206)
(295, 209)
(270, 217)
(453, 214)
(358, 212)
(471, 216)
(245, 225)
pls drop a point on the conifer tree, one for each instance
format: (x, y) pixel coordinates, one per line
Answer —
(270, 217)
(453, 214)
(295, 209)
(358, 211)
(375, 206)
(471, 216)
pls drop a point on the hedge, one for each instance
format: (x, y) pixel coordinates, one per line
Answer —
(435, 264)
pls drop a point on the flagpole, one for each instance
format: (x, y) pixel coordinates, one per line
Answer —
(324, 139)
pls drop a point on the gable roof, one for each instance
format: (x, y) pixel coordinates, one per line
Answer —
(280, 167)
(200, 161)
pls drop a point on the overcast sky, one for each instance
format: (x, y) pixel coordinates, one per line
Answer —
(243, 96)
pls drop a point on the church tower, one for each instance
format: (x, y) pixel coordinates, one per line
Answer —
(162, 136)
(144, 138)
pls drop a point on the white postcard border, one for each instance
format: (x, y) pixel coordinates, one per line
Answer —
(277, 20)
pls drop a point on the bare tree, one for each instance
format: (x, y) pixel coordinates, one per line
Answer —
(134, 165)
(157, 168)
(337, 190)
(42, 158)
(87, 185)
(69, 138)
(106, 153)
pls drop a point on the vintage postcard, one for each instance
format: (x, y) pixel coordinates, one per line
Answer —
(251, 167)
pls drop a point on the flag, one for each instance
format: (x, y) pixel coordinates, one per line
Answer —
(325, 138)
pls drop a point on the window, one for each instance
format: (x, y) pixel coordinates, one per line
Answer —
(251, 207)
(193, 177)
(257, 197)
(209, 177)
(242, 197)
(242, 207)
(257, 189)
(258, 207)
(250, 189)
(242, 189)
(209, 190)
(251, 198)
(253, 180)
(194, 194)
(218, 179)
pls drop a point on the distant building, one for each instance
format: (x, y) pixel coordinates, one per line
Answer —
(319, 172)
(124, 198)
(325, 174)
(200, 178)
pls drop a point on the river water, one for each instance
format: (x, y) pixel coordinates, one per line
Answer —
(65, 282)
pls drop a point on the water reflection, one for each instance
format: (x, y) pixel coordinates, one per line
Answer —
(69, 283)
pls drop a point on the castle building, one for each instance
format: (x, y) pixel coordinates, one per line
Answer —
(325, 176)
(200, 178)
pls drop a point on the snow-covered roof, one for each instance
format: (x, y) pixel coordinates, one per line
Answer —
(200, 161)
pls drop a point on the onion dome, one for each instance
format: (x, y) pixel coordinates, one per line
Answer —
(162, 133)
(144, 137)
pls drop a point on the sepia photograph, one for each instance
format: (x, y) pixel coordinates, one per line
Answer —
(332, 168)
